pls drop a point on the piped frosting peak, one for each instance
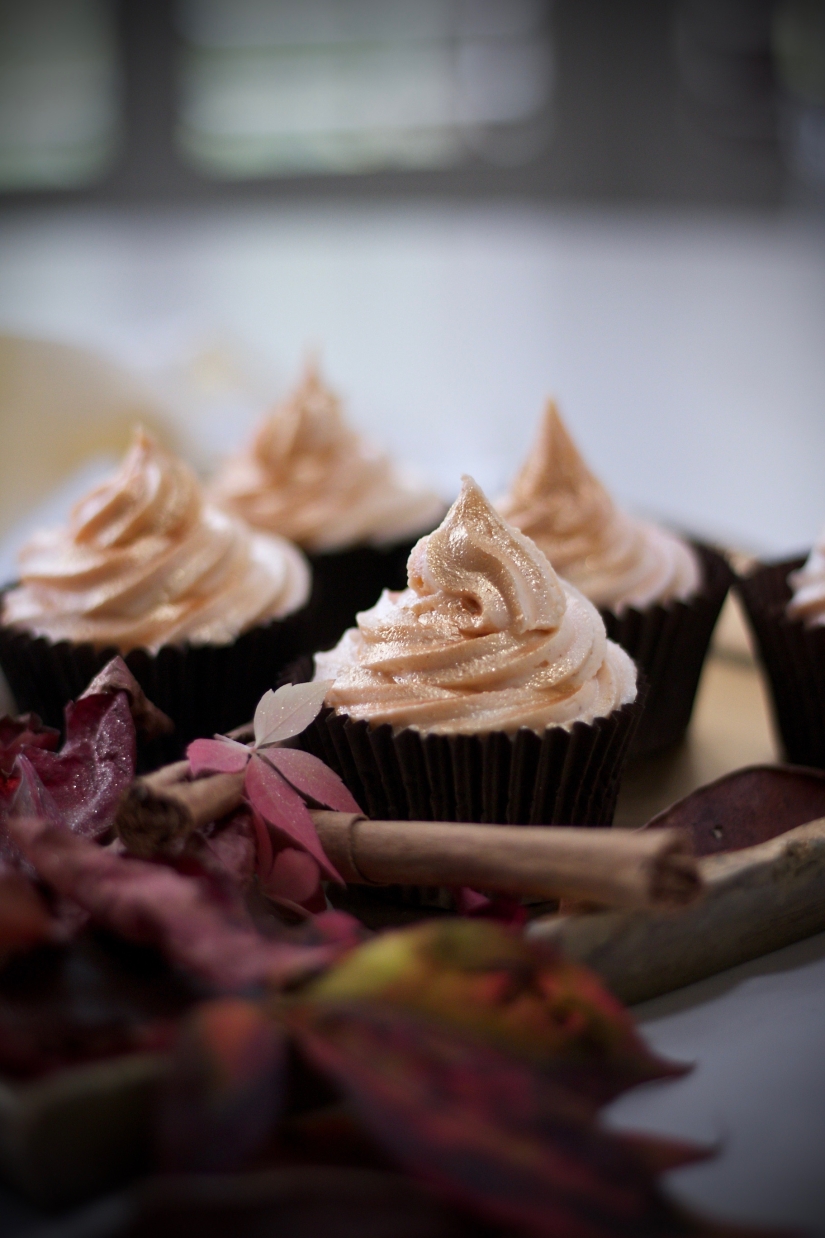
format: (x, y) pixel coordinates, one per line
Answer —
(308, 476)
(808, 584)
(486, 637)
(144, 561)
(616, 560)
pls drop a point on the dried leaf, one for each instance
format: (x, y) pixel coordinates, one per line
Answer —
(225, 1090)
(746, 807)
(116, 677)
(281, 715)
(217, 756)
(493, 985)
(152, 904)
(283, 808)
(310, 776)
(488, 1133)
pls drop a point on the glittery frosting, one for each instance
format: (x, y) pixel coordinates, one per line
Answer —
(486, 638)
(616, 560)
(144, 561)
(808, 584)
(308, 476)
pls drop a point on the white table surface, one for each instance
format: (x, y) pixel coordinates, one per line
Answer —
(689, 356)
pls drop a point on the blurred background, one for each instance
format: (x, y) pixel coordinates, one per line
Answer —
(463, 205)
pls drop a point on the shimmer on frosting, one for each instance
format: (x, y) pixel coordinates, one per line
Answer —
(808, 584)
(486, 638)
(308, 476)
(144, 561)
(616, 560)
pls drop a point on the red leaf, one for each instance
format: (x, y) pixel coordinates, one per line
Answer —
(311, 777)
(487, 1132)
(151, 903)
(283, 808)
(95, 765)
(24, 917)
(26, 731)
(294, 876)
(217, 756)
(225, 1090)
(263, 843)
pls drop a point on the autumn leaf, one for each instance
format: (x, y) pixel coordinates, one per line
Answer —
(281, 715)
(491, 984)
(284, 808)
(487, 1132)
(217, 756)
(312, 777)
(225, 1088)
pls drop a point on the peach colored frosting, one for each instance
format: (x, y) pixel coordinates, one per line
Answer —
(309, 477)
(486, 638)
(808, 584)
(145, 562)
(616, 560)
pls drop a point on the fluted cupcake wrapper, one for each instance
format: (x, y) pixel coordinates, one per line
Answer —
(669, 644)
(203, 688)
(558, 778)
(347, 581)
(793, 655)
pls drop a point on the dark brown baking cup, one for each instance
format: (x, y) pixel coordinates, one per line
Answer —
(203, 688)
(347, 581)
(793, 656)
(669, 643)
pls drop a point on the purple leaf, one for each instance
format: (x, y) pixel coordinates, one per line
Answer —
(153, 904)
(217, 756)
(95, 765)
(289, 711)
(311, 777)
(283, 808)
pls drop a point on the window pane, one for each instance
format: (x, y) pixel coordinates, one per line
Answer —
(58, 92)
(290, 86)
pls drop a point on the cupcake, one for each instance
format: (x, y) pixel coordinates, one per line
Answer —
(204, 611)
(659, 596)
(785, 603)
(308, 476)
(485, 691)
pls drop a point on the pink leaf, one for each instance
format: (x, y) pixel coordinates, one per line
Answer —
(294, 875)
(264, 846)
(310, 776)
(217, 756)
(289, 711)
(283, 808)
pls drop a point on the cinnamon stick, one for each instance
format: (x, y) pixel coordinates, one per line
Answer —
(615, 868)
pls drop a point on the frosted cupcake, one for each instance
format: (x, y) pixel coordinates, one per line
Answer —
(308, 476)
(205, 612)
(785, 603)
(485, 691)
(659, 596)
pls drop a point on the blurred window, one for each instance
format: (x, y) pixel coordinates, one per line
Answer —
(58, 93)
(280, 87)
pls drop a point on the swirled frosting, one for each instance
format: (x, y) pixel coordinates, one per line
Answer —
(144, 561)
(616, 560)
(486, 638)
(308, 476)
(808, 584)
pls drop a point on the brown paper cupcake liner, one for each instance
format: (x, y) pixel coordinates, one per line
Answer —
(669, 644)
(347, 581)
(203, 688)
(558, 778)
(793, 656)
